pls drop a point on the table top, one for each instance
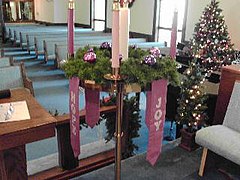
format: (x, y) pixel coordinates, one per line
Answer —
(40, 125)
(234, 68)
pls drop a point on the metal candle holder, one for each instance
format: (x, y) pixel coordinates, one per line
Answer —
(117, 87)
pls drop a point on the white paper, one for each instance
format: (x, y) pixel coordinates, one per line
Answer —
(14, 111)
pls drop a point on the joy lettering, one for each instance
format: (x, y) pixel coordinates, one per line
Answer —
(158, 114)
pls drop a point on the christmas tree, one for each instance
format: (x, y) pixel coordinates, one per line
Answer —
(211, 42)
(192, 101)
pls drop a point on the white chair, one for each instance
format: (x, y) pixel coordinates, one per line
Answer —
(224, 139)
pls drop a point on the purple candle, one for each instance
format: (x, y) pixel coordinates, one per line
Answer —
(71, 28)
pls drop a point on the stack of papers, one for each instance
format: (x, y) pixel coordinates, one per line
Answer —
(14, 111)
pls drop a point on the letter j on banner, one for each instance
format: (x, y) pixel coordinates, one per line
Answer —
(74, 115)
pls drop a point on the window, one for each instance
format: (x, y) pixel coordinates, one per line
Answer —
(99, 17)
(167, 8)
(18, 11)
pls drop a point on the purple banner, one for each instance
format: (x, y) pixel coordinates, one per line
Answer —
(157, 117)
(92, 106)
(74, 115)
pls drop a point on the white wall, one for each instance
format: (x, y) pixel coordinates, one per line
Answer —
(55, 11)
(60, 11)
(82, 12)
(44, 10)
(230, 11)
(141, 19)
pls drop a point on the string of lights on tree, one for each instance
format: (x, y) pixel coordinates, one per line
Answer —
(192, 101)
(211, 39)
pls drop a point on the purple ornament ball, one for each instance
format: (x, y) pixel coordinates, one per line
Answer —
(150, 60)
(120, 57)
(90, 57)
(134, 47)
(106, 45)
(90, 50)
(155, 52)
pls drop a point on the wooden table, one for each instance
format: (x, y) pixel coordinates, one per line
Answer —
(14, 135)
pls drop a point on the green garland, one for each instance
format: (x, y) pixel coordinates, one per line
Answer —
(89, 71)
(136, 72)
(131, 116)
(132, 69)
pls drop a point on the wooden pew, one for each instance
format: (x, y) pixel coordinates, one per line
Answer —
(56, 38)
(69, 166)
(20, 33)
(49, 46)
(50, 32)
(15, 77)
(6, 61)
(34, 40)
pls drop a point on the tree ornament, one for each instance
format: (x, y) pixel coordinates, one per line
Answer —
(90, 56)
(106, 45)
(133, 46)
(155, 52)
(150, 60)
(130, 3)
(120, 57)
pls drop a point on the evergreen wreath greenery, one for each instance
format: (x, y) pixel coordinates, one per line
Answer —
(130, 115)
(136, 72)
(132, 69)
(89, 71)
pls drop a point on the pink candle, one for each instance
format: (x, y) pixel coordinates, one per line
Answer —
(174, 35)
(71, 28)
(124, 31)
(115, 35)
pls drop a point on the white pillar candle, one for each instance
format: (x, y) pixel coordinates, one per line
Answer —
(115, 35)
(124, 31)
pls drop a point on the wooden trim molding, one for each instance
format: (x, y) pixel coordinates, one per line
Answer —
(85, 165)
(62, 24)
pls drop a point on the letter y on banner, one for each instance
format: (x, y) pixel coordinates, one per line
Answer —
(74, 115)
(156, 118)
